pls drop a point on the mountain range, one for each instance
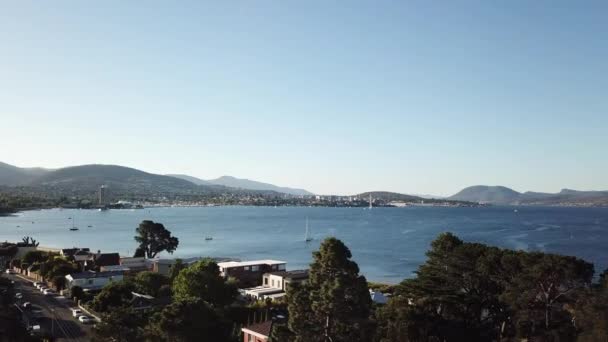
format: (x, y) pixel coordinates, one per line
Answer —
(241, 183)
(507, 196)
(78, 180)
(85, 180)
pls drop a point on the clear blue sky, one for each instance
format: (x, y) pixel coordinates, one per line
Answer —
(332, 96)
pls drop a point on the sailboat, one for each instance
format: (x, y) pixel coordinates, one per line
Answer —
(73, 226)
(307, 237)
(370, 201)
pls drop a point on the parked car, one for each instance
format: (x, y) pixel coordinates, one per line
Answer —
(42, 288)
(27, 305)
(18, 295)
(76, 312)
(9, 271)
(36, 284)
(49, 292)
(84, 319)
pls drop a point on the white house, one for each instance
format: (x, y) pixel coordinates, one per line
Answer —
(92, 281)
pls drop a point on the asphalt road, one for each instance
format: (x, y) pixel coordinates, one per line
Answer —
(55, 315)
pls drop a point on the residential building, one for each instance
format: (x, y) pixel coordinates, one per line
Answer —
(143, 303)
(106, 259)
(281, 279)
(136, 265)
(249, 273)
(378, 297)
(92, 281)
(259, 332)
(163, 266)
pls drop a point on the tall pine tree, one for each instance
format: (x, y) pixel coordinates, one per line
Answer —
(334, 305)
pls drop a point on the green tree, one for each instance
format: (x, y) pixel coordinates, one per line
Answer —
(150, 283)
(35, 256)
(188, 320)
(121, 324)
(335, 302)
(113, 295)
(154, 238)
(176, 268)
(202, 280)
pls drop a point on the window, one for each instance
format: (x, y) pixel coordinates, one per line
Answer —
(249, 338)
(282, 267)
(90, 281)
(272, 282)
(255, 268)
(265, 281)
(247, 268)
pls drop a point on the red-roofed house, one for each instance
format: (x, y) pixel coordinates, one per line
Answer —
(258, 332)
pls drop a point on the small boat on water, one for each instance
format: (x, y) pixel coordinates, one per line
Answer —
(89, 226)
(307, 237)
(73, 226)
(208, 238)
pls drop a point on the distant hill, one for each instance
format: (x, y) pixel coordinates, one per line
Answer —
(191, 179)
(12, 175)
(487, 194)
(504, 195)
(86, 179)
(241, 183)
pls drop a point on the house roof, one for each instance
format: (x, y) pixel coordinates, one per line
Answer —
(72, 251)
(107, 259)
(295, 274)
(88, 275)
(263, 328)
(229, 264)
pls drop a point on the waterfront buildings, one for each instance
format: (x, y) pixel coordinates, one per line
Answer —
(249, 273)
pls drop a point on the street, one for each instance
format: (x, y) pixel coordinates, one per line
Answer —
(55, 315)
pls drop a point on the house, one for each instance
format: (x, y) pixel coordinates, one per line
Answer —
(378, 297)
(259, 332)
(138, 264)
(106, 259)
(143, 303)
(163, 266)
(92, 281)
(250, 272)
(274, 284)
(70, 252)
(281, 279)
(262, 292)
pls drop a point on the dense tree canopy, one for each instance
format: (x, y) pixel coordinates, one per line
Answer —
(202, 280)
(154, 238)
(188, 320)
(150, 283)
(475, 292)
(113, 295)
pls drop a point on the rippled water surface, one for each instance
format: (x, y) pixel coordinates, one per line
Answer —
(387, 243)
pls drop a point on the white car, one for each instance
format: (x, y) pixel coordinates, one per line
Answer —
(84, 319)
(27, 305)
(36, 284)
(48, 292)
(9, 271)
(18, 295)
(76, 312)
(42, 288)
